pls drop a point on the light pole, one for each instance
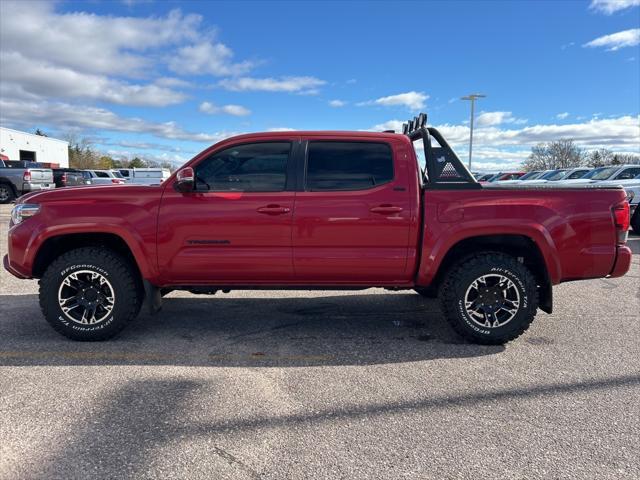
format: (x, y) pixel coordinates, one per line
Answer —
(473, 97)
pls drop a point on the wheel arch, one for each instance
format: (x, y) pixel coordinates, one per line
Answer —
(57, 245)
(521, 247)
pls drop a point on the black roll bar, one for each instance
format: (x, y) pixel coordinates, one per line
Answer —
(417, 129)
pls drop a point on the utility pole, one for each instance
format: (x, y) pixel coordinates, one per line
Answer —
(472, 97)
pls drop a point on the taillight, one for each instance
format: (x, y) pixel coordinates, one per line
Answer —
(26, 176)
(117, 181)
(63, 179)
(621, 218)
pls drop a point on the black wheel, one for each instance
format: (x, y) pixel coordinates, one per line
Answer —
(427, 292)
(6, 193)
(635, 221)
(90, 294)
(489, 298)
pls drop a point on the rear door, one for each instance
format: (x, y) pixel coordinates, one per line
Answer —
(352, 219)
(236, 227)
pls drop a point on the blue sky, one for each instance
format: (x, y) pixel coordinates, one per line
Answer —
(164, 79)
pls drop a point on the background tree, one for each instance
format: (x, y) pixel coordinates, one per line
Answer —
(557, 154)
(137, 163)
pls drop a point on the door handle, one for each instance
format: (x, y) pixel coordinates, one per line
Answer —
(386, 209)
(273, 210)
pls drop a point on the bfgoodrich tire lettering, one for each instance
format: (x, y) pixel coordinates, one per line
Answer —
(508, 303)
(120, 285)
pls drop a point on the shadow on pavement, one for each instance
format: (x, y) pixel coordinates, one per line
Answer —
(217, 331)
(144, 416)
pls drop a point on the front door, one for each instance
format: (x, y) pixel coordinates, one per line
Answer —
(352, 221)
(235, 227)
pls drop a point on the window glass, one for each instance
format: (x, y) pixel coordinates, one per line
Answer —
(348, 165)
(102, 174)
(628, 173)
(254, 167)
(577, 174)
(601, 173)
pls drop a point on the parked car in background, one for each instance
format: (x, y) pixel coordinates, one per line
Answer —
(501, 177)
(484, 177)
(70, 177)
(105, 177)
(561, 174)
(145, 176)
(524, 178)
(632, 187)
(20, 177)
(614, 172)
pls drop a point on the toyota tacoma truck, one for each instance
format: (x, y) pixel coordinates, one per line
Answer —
(317, 210)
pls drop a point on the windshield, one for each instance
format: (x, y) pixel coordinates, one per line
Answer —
(603, 174)
(595, 171)
(116, 174)
(531, 175)
(549, 174)
(557, 175)
(576, 174)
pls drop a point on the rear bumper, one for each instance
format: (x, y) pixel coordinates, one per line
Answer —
(623, 261)
(35, 187)
(11, 269)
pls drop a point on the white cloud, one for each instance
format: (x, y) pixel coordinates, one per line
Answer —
(68, 117)
(506, 145)
(337, 103)
(88, 42)
(37, 78)
(609, 7)
(280, 129)
(207, 58)
(616, 41)
(487, 119)
(211, 109)
(283, 84)
(562, 116)
(412, 100)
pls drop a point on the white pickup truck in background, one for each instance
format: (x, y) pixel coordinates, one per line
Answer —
(145, 176)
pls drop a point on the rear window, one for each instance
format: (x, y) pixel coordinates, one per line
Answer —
(348, 165)
(102, 174)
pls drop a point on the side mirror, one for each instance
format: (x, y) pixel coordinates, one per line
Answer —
(185, 180)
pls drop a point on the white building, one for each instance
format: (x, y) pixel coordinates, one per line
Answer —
(16, 145)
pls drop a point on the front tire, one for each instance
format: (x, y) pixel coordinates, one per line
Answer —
(489, 298)
(90, 294)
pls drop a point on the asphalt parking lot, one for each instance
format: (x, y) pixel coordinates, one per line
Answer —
(367, 384)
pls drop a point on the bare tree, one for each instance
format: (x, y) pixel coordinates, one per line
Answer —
(557, 154)
(599, 158)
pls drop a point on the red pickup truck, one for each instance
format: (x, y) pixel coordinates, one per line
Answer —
(317, 210)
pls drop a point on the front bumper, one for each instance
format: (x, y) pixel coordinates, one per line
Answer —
(12, 270)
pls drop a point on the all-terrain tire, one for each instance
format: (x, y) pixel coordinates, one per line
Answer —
(7, 195)
(460, 279)
(111, 269)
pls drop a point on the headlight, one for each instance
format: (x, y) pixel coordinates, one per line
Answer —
(23, 211)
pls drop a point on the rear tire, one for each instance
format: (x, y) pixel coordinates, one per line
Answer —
(6, 193)
(489, 298)
(90, 294)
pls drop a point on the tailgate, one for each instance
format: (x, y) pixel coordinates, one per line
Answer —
(41, 175)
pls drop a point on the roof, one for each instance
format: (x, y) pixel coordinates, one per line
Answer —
(316, 133)
(40, 137)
